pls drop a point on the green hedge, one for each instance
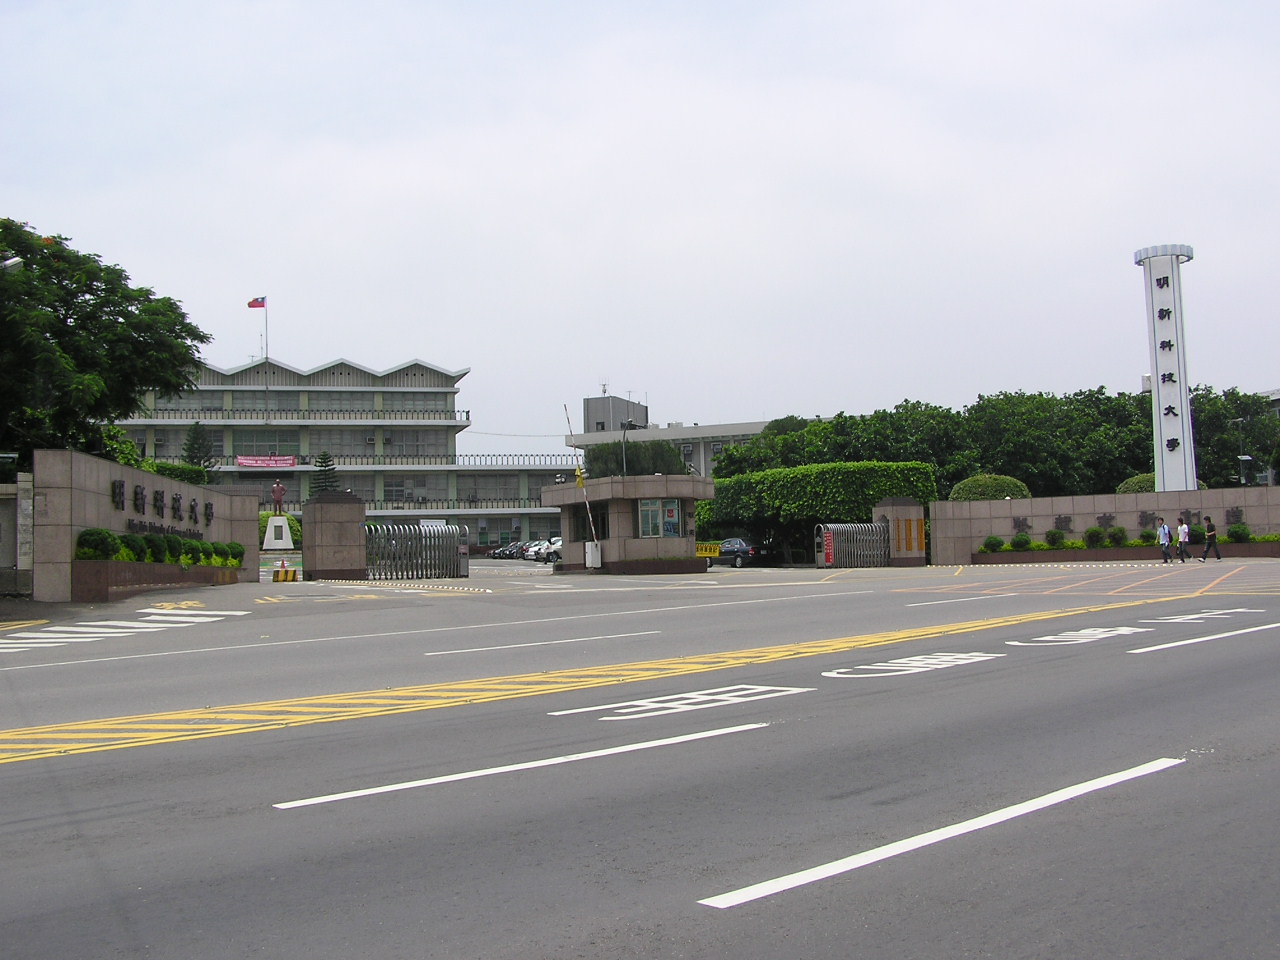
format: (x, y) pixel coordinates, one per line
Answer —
(817, 493)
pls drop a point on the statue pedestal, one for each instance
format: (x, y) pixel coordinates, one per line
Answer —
(277, 536)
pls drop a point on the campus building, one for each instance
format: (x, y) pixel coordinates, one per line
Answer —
(392, 435)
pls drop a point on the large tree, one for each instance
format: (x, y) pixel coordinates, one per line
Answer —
(80, 346)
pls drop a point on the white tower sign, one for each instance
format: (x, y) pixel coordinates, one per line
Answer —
(1175, 450)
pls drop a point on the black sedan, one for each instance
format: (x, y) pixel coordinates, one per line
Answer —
(736, 551)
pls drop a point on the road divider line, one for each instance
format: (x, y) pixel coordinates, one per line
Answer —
(517, 767)
(769, 888)
(331, 708)
(542, 643)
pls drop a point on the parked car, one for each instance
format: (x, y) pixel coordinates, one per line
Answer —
(551, 552)
(531, 549)
(736, 551)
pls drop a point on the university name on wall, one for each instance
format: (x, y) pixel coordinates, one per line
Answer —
(1146, 519)
(179, 508)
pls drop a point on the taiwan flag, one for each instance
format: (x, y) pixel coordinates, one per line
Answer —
(258, 302)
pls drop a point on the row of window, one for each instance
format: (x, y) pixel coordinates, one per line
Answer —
(286, 441)
(329, 400)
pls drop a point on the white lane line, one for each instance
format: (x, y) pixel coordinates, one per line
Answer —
(409, 633)
(192, 611)
(1216, 636)
(515, 767)
(930, 603)
(770, 887)
(541, 643)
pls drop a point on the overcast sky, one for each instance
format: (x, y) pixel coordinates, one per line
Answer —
(730, 211)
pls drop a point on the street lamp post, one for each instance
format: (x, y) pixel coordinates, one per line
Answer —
(1243, 457)
(626, 425)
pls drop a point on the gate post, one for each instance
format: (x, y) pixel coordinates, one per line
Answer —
(905, 517)
(333, 537)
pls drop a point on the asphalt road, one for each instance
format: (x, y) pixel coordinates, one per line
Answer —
(1044, 762)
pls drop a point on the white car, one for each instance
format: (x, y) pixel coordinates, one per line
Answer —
(532, 548)
(550, 553)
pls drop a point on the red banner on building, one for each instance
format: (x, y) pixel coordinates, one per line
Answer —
(266, 461)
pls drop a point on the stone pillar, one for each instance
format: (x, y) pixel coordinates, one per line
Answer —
(905, 517)
(333, 537)
(1175, 456)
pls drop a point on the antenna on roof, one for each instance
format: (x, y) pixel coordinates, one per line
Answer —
(604, 388)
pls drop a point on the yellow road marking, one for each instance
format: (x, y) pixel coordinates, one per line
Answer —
(92, 736)
(8, 625)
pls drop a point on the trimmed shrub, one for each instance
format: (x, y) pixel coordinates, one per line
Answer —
(236, 550)
(158, 547)
(1117, 536)
(135, 544)
(1095, 537)
(1142, 483)
(172, 547)
(1239, 533)
(990, 486)
(206, 551)
(1021, 541)
(993, 544)
(1197, 533)
(1054, 538)
(97, 544)
(1147, 537)
(191, 551)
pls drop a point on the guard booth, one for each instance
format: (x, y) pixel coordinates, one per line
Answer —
(410, 551)
(851, 544)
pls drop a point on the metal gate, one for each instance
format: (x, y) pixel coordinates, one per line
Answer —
(851, 544)
(405, 551)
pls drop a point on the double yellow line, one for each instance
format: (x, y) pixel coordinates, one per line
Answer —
(91, 736)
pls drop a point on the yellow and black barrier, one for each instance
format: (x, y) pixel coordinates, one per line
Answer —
(708, 549)
(284, 576)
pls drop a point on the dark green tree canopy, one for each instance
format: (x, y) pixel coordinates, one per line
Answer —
(79, 346)
(1080, 443)
(644, 458)
(197, 448)
(326, 475)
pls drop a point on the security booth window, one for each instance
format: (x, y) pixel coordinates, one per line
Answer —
(659, 518)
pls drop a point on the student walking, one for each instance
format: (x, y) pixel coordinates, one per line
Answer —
(1210, 540)
(1184, 540)
(1163, 534)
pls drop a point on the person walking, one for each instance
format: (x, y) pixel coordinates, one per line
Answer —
(1163, 535)
(1210, 540)
(1184, 540)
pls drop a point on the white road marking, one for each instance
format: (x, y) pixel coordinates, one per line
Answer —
(409, 633)
(541, 643)
(905, 665)
(683, 702)
(1216, 636)
(516, 767)
(770, 887)
(930, 603)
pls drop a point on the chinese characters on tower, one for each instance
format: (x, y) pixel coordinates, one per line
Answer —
(1174, 448)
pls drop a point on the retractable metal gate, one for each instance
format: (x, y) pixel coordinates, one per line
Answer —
(404, 551)
(851, 544)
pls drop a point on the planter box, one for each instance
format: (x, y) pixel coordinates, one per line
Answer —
(97, 581)
(1130, 554)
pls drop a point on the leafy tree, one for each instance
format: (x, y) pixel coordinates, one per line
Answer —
(80, 346)
(644, 458)
(197, 448)
(326, 475)
(1227, 424)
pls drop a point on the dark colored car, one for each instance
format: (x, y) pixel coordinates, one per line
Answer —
(736, 551)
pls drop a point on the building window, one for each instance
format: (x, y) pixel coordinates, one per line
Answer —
(415, 401)
(340, 400)
(416, 443)
(260, 400)
(659, 518)
(264, 442)
(341, 443)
